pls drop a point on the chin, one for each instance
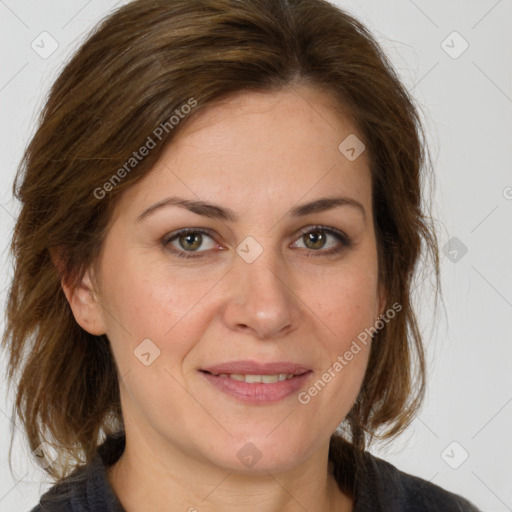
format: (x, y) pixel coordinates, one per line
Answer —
(259, 455)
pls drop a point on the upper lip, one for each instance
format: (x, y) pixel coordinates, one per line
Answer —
(255, 368)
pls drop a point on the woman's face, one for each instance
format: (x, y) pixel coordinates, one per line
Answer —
(261, 286)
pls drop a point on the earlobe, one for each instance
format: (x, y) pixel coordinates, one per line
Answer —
(83, 300)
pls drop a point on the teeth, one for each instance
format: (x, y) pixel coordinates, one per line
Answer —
(265, 379)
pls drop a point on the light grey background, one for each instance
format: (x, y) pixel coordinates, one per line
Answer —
(466, 100)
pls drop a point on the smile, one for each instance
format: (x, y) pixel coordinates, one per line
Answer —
(256, 383)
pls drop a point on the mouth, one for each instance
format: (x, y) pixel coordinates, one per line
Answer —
(252, 382)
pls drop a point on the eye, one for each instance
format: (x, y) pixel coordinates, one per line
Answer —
(189, 240)
(185, 242)
(315, 238)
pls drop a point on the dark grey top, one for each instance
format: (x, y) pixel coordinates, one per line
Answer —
(379, 487)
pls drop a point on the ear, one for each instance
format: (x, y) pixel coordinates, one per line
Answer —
(83, 299)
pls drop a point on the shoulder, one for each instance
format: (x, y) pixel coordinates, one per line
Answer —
(66, 495)
(378, 486)
(384, 487)
(87, 488)
(74, 493)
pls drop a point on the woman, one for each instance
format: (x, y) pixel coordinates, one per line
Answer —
(221, 218)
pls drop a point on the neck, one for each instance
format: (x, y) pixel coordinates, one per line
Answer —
(143, 479)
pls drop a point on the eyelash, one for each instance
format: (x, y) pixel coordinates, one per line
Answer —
(339, 235)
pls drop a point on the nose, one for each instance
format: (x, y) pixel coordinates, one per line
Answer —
(261, 300)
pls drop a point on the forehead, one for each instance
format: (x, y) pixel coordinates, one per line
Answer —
(295, 114)
(259, 148)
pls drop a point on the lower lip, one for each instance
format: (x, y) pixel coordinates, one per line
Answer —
(258, 392)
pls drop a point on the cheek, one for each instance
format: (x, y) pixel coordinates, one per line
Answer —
(346, 306)
(343, 310)
(150, 302)
(147, 298)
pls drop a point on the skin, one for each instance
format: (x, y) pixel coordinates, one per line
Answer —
(259, 155)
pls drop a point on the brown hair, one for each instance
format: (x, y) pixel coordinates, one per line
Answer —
(136, 70)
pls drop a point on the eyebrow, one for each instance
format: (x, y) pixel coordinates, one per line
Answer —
(214, 211)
